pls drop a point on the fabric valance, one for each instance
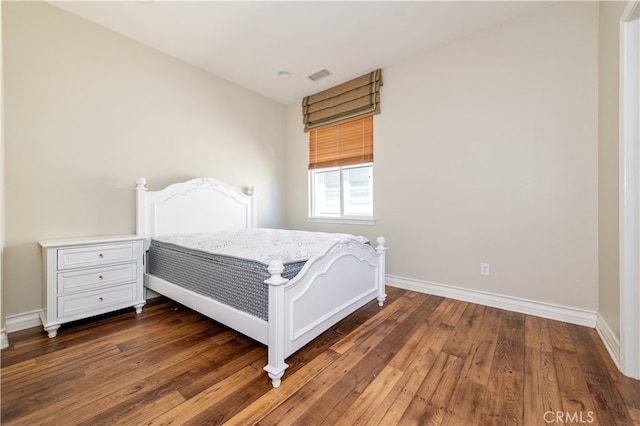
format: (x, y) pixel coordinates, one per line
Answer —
(359, 97)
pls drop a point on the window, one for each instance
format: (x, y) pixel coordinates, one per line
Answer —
(342, 191)
(339, 121)
(341, 170)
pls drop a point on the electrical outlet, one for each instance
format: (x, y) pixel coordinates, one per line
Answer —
(485, 269)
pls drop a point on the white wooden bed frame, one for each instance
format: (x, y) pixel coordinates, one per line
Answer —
(329, 287)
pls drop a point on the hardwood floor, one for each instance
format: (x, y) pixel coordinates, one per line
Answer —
(418, 360)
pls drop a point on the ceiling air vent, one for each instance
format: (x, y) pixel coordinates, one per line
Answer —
(319, 74)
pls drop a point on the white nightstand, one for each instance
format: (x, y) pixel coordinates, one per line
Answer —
(84, 277)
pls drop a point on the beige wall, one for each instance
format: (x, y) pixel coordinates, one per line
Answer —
(608, 163)
(87, 111)
(487, 151)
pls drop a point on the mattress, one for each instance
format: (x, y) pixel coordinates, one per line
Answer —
(231, 266)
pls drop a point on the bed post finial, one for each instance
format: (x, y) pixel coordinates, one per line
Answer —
(252, 217)
(140, 183)
(276, 268)
(141, 205)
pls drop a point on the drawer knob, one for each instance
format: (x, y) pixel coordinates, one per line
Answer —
(100, 277)
(101, 299)
(101, 255)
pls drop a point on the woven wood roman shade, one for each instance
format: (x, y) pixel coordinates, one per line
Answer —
(356, 98)
(343, 144)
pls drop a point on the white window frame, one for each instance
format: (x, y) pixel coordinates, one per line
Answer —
(341, 218)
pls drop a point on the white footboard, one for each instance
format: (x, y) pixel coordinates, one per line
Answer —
(329, 287)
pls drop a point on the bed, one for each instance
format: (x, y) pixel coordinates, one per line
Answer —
(302, 298)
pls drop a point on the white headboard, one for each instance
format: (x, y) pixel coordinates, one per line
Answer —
(197, 205)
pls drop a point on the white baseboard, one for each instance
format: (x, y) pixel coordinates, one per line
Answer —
(32, 319)
(524, 306)
(17, 323)
(23, 321)
(610, 340)
(4, 339)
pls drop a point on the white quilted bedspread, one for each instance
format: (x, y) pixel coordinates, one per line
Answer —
(261, 244)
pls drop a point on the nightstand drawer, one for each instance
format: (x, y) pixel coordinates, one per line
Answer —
(88, 279)
(87, 256)
(96, 301)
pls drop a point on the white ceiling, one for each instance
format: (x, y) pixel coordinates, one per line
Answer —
(249, 42)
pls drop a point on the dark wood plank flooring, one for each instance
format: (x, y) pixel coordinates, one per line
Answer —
(418, 360)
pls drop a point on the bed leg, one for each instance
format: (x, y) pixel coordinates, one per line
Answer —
(381, 249)
(139, 307)
(276, 367)
(275, 374)
(381, 299)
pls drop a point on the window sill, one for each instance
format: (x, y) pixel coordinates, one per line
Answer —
(344, 220)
